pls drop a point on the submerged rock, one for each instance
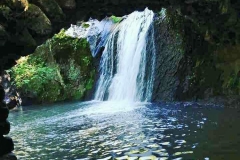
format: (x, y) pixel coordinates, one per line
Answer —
(9, 156)
(6, 145)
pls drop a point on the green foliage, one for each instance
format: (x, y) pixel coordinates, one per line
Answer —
(233, 82)
(74, 71)
(87, 60)
(85, 25)
(60, 69)
(62, 40)
(116, 19)
(33, 75)
(90, 82)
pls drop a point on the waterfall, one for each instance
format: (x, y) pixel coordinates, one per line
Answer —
(128, 60)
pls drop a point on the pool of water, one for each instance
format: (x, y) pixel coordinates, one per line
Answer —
(117, 130)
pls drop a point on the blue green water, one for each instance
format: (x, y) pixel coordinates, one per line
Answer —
(112, 130)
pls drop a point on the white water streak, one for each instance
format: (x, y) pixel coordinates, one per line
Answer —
(124, 72)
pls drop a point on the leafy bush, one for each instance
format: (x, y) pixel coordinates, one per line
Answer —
(32, 75)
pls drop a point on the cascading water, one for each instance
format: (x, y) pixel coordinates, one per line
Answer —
(127, 62)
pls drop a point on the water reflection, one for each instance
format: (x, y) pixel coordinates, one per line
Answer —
(110, 130)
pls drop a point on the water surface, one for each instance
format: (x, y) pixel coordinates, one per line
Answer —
(117, 130)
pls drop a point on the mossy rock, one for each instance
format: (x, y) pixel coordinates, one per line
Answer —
(18, 4)
(25, 38)
(76, 62)
(228, 60)
(3, 35)
(37, 21)
(67, 4)
(61, 69)
(5, 12)
(51, 9)
(62, 44)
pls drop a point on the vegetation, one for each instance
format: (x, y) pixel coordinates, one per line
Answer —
(32, 75)
(116, 19)
(85, 25)
(176, 27)
(60, 69)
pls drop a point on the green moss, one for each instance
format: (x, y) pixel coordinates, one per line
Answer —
(90, 82)
(60, 69)
(33, 75)
(116, 19)
(62, 40)
(36, 20)
(228, 61)
(51, 9)
(85, 25)
(25, 38)
(203, 78)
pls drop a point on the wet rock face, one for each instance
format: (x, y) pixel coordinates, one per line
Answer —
(170, 68)
(6, 143)
(209, 66)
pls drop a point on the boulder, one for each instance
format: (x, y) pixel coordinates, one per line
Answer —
(4, 127)
(5, 12)
(18, 4)
(25, 38)
(67, 4)
(13, 103)
(3, 113)
(3, 35)
(51, 9)
(6, 146)
(9, 156)
(36, 20)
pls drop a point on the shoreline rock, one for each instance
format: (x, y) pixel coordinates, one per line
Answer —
(10, 156)
(6, 143)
